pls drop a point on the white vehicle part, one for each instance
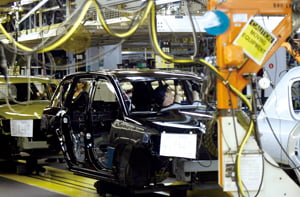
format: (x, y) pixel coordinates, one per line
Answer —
(279, 124)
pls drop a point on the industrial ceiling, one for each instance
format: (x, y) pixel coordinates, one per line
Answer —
(34, 21)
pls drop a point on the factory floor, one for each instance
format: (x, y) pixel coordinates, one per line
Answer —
(56, 181)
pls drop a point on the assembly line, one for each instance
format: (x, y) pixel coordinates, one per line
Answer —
(150, 98)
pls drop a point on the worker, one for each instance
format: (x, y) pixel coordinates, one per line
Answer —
(78, 113)
(80, 97)
(163, 96)
(79, 103)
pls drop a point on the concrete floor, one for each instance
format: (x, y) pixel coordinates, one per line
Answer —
(11, 188)
(54, 182)
(57, 181)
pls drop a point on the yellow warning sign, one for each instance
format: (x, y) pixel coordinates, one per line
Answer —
(255, 41)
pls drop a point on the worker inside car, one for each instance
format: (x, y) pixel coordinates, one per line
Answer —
(79, 104)
(163, 96)
(78, 113)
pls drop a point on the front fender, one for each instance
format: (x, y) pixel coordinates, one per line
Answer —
(129, 133)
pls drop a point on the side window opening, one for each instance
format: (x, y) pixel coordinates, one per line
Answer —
(76, 101)
(142, 96)
(295, 94)
(18, 92)
(49, 89)
(145, 96)
(126, 91)
(22, 91)
(105, 92)
(6, 93)
(60, 95)
(105, 107)
(178, 90)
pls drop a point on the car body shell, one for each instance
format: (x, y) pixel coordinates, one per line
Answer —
(278, 122)
(120, 139)
(20, 115)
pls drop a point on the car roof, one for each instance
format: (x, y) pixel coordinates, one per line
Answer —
(24, 79)
(122, 73)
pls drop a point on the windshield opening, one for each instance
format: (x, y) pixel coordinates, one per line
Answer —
(20, 92)
(156, 94)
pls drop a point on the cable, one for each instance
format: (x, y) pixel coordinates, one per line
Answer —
(94, 59)
(58, 40)
(28, 61)
(279, 143)
(262, 177)
(65, 26)
(199, 146)
(225, 82)
(11, 39)
(232, 112)
(238, 157)
(124, 11)
(71, 31)
(239, 182)
(281, 147)
(194, 29)
(67, 35)
(129, 32)
(150, 8)
(60, 4)
(3, 62)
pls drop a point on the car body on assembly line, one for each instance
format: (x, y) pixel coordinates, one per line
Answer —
(124, 136)
(22, 100)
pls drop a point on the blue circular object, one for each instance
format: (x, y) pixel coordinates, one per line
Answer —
(221, 21)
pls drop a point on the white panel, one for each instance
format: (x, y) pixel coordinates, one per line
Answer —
(179, 23)
(113, 57)
(21, 128)
(275, 68)
(178, 145)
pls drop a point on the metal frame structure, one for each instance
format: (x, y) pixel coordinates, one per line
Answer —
(237, 148)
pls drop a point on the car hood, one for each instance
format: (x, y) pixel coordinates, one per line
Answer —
(24, 111)
(177, 121)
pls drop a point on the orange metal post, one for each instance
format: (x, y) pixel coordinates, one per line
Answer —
(251, 8)
(228, 69)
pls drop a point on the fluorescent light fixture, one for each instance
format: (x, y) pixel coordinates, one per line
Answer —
(25, 2)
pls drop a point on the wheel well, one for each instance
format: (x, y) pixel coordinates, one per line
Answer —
(134, 165)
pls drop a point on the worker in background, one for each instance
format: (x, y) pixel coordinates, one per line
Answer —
(163, 96)
(79, 104)
(78, 113)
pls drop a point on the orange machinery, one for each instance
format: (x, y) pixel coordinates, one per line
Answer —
(236, 146)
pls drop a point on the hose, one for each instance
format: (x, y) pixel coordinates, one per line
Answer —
(71, 31)
(129, 32)
(57, 43)
(218, 74)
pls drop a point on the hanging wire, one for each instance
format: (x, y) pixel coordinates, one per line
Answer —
(129, 11)
(193, 28)
(225, 82)
(59, 39)
(150, 8)
(92, 60)
(129, 32)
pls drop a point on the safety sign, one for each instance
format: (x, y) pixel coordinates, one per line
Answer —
(255, 40)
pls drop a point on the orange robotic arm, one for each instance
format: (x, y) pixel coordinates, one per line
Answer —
(288, 46)
(232, 66)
